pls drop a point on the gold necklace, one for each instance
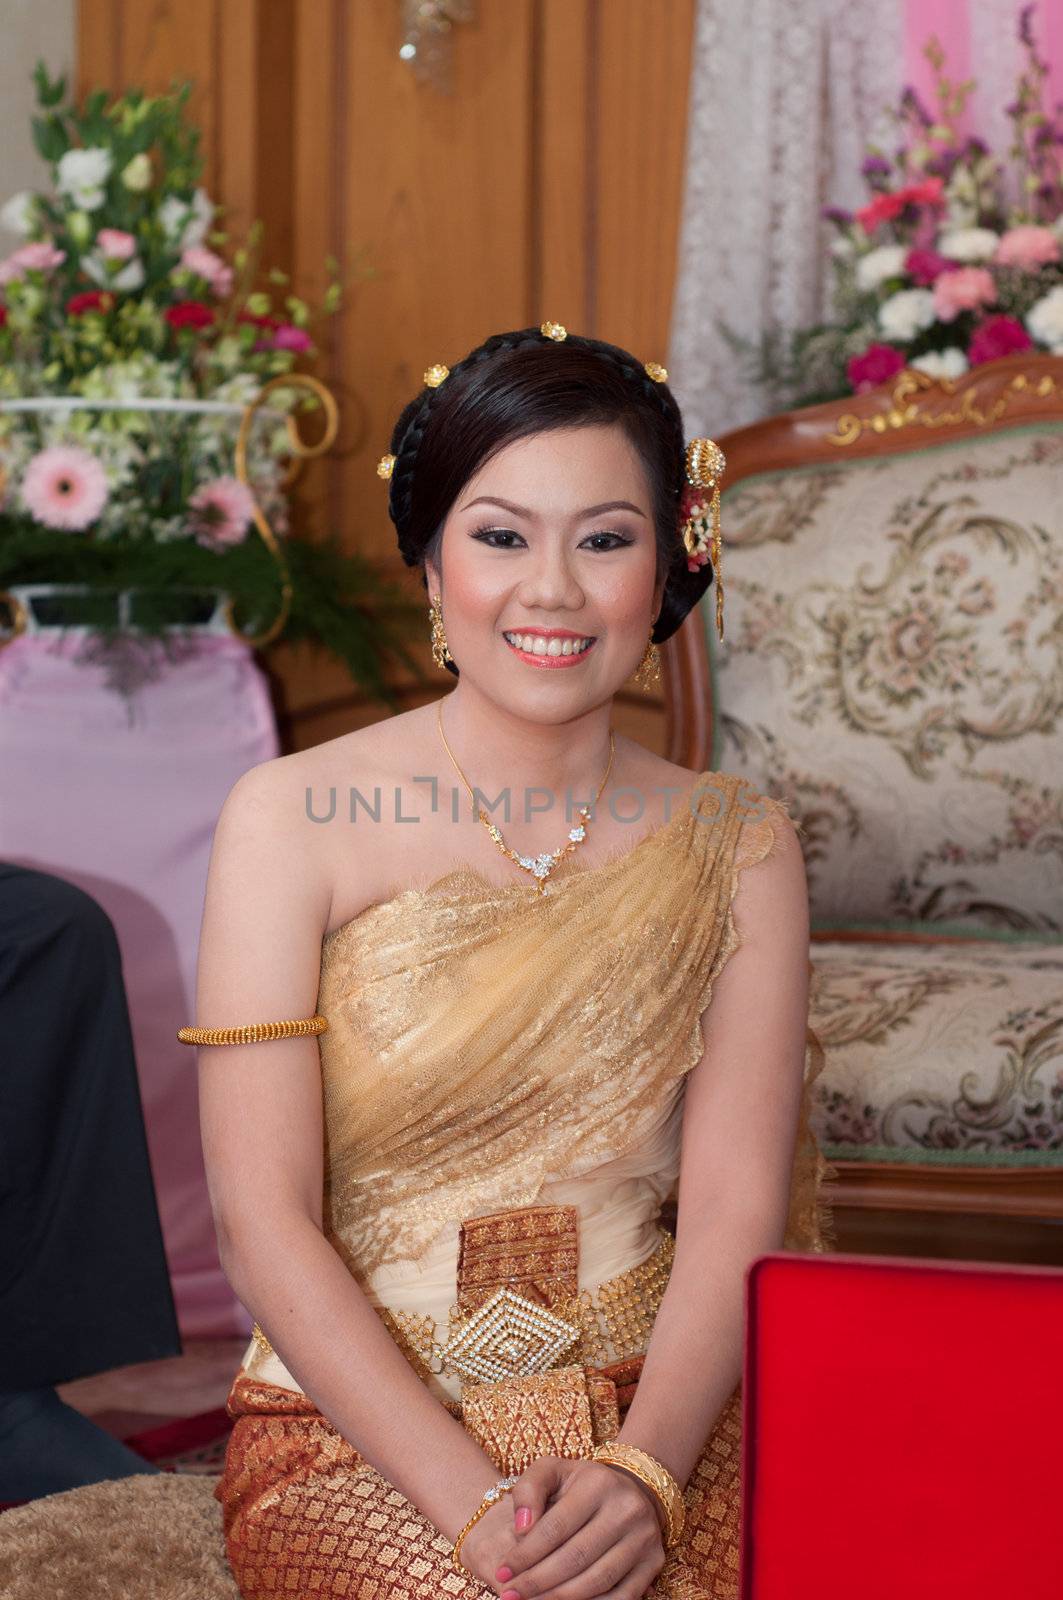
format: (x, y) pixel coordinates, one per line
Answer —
(539, 866)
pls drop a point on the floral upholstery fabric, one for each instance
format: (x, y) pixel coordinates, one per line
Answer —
(940, 1047)
(892, 667)
(893, 672)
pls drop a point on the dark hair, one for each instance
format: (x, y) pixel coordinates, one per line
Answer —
(522, 383)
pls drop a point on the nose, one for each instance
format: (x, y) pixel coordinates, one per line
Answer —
(548, 581)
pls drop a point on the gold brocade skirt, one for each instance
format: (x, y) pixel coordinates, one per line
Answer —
(305, 1515)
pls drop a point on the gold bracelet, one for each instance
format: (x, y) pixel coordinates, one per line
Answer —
(494, 1494)
(655, 1476)
(253, 1032)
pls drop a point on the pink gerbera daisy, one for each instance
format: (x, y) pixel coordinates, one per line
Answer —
(64, 487)
(220, 512)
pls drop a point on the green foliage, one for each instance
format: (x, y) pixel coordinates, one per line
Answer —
(128, 315)
(340, 603)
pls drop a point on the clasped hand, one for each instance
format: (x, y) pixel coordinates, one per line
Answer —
(594, 1533)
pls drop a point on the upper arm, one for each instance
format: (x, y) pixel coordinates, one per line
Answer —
(743, 1099)
(266, 910)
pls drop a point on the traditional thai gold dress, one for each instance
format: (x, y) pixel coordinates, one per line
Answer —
(503, 1087)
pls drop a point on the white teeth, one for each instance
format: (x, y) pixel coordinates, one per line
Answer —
(535, 644)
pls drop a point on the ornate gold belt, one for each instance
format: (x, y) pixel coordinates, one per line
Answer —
(520, 1311)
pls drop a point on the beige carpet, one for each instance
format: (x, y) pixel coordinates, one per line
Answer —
(150, 1537)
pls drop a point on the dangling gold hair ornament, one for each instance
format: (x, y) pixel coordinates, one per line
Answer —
(700, 513)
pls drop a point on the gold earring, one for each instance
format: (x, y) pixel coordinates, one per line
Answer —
(440, 649)
(648, 671)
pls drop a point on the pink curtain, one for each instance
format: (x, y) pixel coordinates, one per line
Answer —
(120, 795)
(979, 39)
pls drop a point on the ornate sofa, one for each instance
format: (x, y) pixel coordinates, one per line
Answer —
(892, 667)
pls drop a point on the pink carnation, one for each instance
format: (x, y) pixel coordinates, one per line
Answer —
(995, 337)
(115, 245)
(210, 267)
(40, 256)
(1028, 247)
(64, 487)
(221, 512)
(924, 266)
(289, 337)
(878, 364)
(963, 289)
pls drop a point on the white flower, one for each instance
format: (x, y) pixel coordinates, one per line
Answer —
(186, 223)
(878, 265)
(136, 174)
(842, 247)
(906, 313)
(131, 275)
(1045, 320)
(16, 214)
(948, 363)
(968, 244)
(240, 389)
(81, 175)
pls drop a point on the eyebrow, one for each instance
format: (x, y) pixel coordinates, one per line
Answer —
(522, 511)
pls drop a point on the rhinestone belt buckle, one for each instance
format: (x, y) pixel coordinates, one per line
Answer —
(508, 1337)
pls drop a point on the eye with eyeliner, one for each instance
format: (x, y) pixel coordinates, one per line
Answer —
(486, 533)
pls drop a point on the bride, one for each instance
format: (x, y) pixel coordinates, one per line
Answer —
(528, 1004)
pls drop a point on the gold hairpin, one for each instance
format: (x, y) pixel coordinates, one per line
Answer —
(385, 466)
(436, 375)
(654, 370)
(705, 465)
(554, 330)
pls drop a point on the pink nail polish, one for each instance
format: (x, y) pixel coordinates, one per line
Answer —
(522, 1519)
(509, 1594)
(503, 1574)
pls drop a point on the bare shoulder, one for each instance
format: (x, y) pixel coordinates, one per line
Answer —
(327, 811)
(289, 784)
(777, 891)
(654, 775)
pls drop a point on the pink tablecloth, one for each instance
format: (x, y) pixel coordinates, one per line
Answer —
(120, 795)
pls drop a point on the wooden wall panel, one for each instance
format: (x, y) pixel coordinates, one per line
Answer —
(643, 64)
(548, 185)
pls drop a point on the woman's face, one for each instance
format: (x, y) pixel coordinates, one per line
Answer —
(552, 537)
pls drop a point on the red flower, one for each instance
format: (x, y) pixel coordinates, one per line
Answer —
(258, 322)
(878, 363)
(884, 207)
(91, 300)
(928, 193)
(3, 316)
(997, 336)
(189, 314)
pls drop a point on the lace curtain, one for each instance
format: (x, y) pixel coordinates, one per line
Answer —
(781, 92)
(784, 96)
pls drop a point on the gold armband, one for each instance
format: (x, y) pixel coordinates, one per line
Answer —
(253, 1032)
(656, 1478)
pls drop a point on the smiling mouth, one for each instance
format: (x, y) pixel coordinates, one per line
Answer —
(535, 644)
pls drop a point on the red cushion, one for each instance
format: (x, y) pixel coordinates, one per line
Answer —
(903, 1430)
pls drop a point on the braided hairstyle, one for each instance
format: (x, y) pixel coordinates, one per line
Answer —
(518, 384)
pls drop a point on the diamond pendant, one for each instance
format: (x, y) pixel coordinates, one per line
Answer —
(541, 866)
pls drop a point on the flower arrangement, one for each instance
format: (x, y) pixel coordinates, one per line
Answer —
(956, 258)
(132, 346)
